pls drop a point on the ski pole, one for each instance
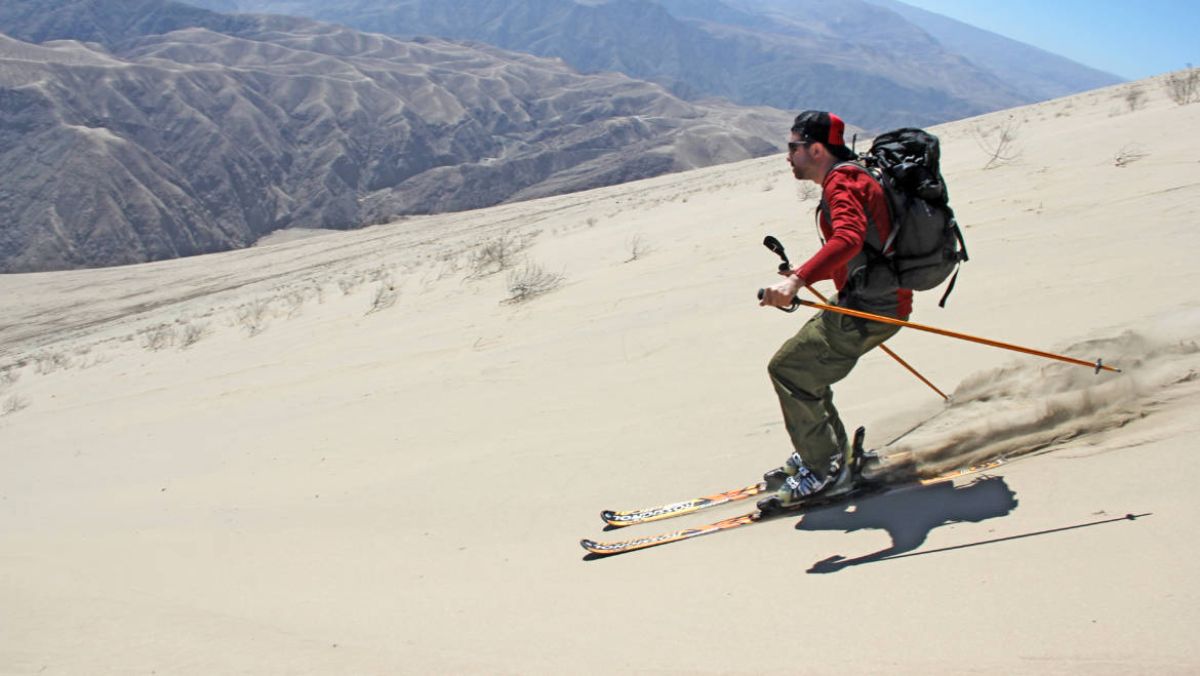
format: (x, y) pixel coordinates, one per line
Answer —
(1098, 365)
(889, 352)
(777, 247)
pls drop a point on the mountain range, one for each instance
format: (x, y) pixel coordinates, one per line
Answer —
(142, 130)
(146, 130)
(884, 63)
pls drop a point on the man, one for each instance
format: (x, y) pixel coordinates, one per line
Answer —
(854, 223)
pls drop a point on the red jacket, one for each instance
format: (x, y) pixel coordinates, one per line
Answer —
(852, 197)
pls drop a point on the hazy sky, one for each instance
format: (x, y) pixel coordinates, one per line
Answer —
(1129, 38)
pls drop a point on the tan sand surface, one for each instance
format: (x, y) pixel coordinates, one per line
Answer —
(348, 454)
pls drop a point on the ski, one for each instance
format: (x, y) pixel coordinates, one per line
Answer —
(621, 519)
(601, 549)
(616, 519)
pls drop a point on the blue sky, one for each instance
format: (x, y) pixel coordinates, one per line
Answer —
(1132, 39)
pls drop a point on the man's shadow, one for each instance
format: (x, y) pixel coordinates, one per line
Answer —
(909, 515)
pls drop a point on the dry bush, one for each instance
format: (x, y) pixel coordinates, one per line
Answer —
(9, 375)
(807, 190)
(1135, 98)
(1129, 154)
(315, 288)
(497, 254)
(1183, 87)
(531, 281)
(190, 334)
(253, 316)
(45, 363)
(350, 283)
(157, 337)
(999, 142)
(449, 265)
(637, 248)
(13, 404)
(385, 295)
(293, 302)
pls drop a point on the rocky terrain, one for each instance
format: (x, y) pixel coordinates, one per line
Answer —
(885, 64)
(122, 144)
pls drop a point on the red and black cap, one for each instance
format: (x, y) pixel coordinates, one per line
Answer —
(818, 125)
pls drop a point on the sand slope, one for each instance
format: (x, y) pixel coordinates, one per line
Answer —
(365, 461)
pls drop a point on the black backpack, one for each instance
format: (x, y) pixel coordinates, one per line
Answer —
(927, 244)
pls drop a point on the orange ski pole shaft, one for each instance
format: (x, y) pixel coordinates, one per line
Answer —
(1098, 364)
(889, 352)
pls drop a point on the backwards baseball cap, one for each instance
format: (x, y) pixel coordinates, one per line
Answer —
(818, 125)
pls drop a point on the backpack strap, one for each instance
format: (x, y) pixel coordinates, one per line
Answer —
(873, 253)
(962, 243)
(962, 258)
(949, 287)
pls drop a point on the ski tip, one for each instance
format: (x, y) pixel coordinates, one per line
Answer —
(592, 547)
(613, 521)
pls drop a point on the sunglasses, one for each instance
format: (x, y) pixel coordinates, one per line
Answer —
(793, 146)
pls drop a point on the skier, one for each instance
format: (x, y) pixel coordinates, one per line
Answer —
(853, 213)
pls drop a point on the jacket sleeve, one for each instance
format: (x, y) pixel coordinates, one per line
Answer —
(848, 224)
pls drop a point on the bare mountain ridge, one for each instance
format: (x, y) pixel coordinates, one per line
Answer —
(1033, 71)
(195, 141)
(878, 67)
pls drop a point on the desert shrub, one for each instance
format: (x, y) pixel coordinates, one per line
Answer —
(999, 142)
(190, 334)
(637, 248)
(157, 337)
(9, 375)
(293, 302)
(45, 363)
(385, 295)
(531, 281)
(13, 404)
(253, 316)
(1135, 98)
(1129, 154)
(1183, 87)
(497, 254)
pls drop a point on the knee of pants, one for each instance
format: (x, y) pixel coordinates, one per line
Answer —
(791, 358)
(806, 391)
(775, 367)
(785, 374)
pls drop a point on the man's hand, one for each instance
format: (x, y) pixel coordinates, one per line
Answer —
(781, 294)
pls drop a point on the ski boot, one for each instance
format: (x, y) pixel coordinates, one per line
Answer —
(794, 484)
(775, 478)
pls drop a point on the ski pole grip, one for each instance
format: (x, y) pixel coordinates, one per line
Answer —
(795, 301)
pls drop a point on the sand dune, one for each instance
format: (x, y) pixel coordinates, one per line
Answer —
(353, 453)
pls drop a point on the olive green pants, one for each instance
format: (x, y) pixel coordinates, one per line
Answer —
(823, 352)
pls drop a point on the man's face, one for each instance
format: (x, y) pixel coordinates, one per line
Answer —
(800, 157)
